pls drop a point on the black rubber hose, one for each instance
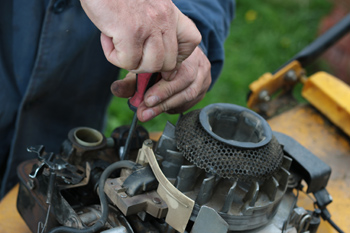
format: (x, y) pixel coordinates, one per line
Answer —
(334, 225)
(104, 204)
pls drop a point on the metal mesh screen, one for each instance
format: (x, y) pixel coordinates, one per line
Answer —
(222, 159)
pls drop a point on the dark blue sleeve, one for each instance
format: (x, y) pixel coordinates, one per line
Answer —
(213, 19)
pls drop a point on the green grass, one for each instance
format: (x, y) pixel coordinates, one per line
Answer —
(263, 36)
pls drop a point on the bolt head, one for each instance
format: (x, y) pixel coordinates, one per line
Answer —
(31, 184)
(156, 200)
(291, 76)
(148, 142)
(123, 195)
(264, 95)
(71, 222)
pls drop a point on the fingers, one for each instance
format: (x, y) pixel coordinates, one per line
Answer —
(176, 104)
(153, 54)
(176, 95)
(165, 89)
(188, 37)
(170, 44)
(143, 36)
(195, 69)
(122, 52)
(158, 52)
(124, 88)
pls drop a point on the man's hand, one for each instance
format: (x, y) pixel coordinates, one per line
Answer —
(143, 36)
(175, 92)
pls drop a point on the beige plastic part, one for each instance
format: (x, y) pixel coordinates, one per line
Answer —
(141, 157)
(89, 137)
(179, 205)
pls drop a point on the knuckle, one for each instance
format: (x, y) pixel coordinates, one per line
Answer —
(164, 10)
(191, 93)
(208, 65)
(169, 65)
(197, 38)
(131, 66)
(129, 61)
(111, 60)
(137, 30)
(164, 107)
(156, 66)
(208, 82)
(169, 90)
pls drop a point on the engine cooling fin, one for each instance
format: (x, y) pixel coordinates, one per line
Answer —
(223, 159)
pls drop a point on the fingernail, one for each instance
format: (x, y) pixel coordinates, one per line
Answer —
(152, 100)
(148, 114)
(114, 86)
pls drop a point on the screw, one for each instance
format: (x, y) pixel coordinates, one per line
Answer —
(71, 222)
(123, 195)
(148, 142)
(291, 76)
(264, 95)
(156, 200)
(31, 184)
(46, 172)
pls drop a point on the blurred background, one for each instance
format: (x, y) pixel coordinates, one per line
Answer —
(263, 36)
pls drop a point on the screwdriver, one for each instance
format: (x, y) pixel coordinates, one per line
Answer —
(143, 82)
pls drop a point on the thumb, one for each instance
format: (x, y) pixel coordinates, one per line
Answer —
(124, 88)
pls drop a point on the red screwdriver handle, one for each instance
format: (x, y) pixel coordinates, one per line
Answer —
(143, 82)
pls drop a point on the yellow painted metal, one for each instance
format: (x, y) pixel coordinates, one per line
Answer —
(10, 220)
(272, 83)
(331, 96)
(315, 132)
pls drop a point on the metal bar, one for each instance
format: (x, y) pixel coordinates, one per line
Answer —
(322, 43)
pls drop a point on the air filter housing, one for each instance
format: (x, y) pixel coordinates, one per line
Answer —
(229, 141)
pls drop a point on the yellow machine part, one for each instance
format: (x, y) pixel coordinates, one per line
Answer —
(271, 83)
(331, 96)
(316, 133)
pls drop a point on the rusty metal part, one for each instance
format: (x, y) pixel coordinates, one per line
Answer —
(67, 174)
(116, 220)
(331, 96)
(224, 157)
(31, 203)
(268, 84)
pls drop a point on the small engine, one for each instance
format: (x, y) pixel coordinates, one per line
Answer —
(220, 169)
